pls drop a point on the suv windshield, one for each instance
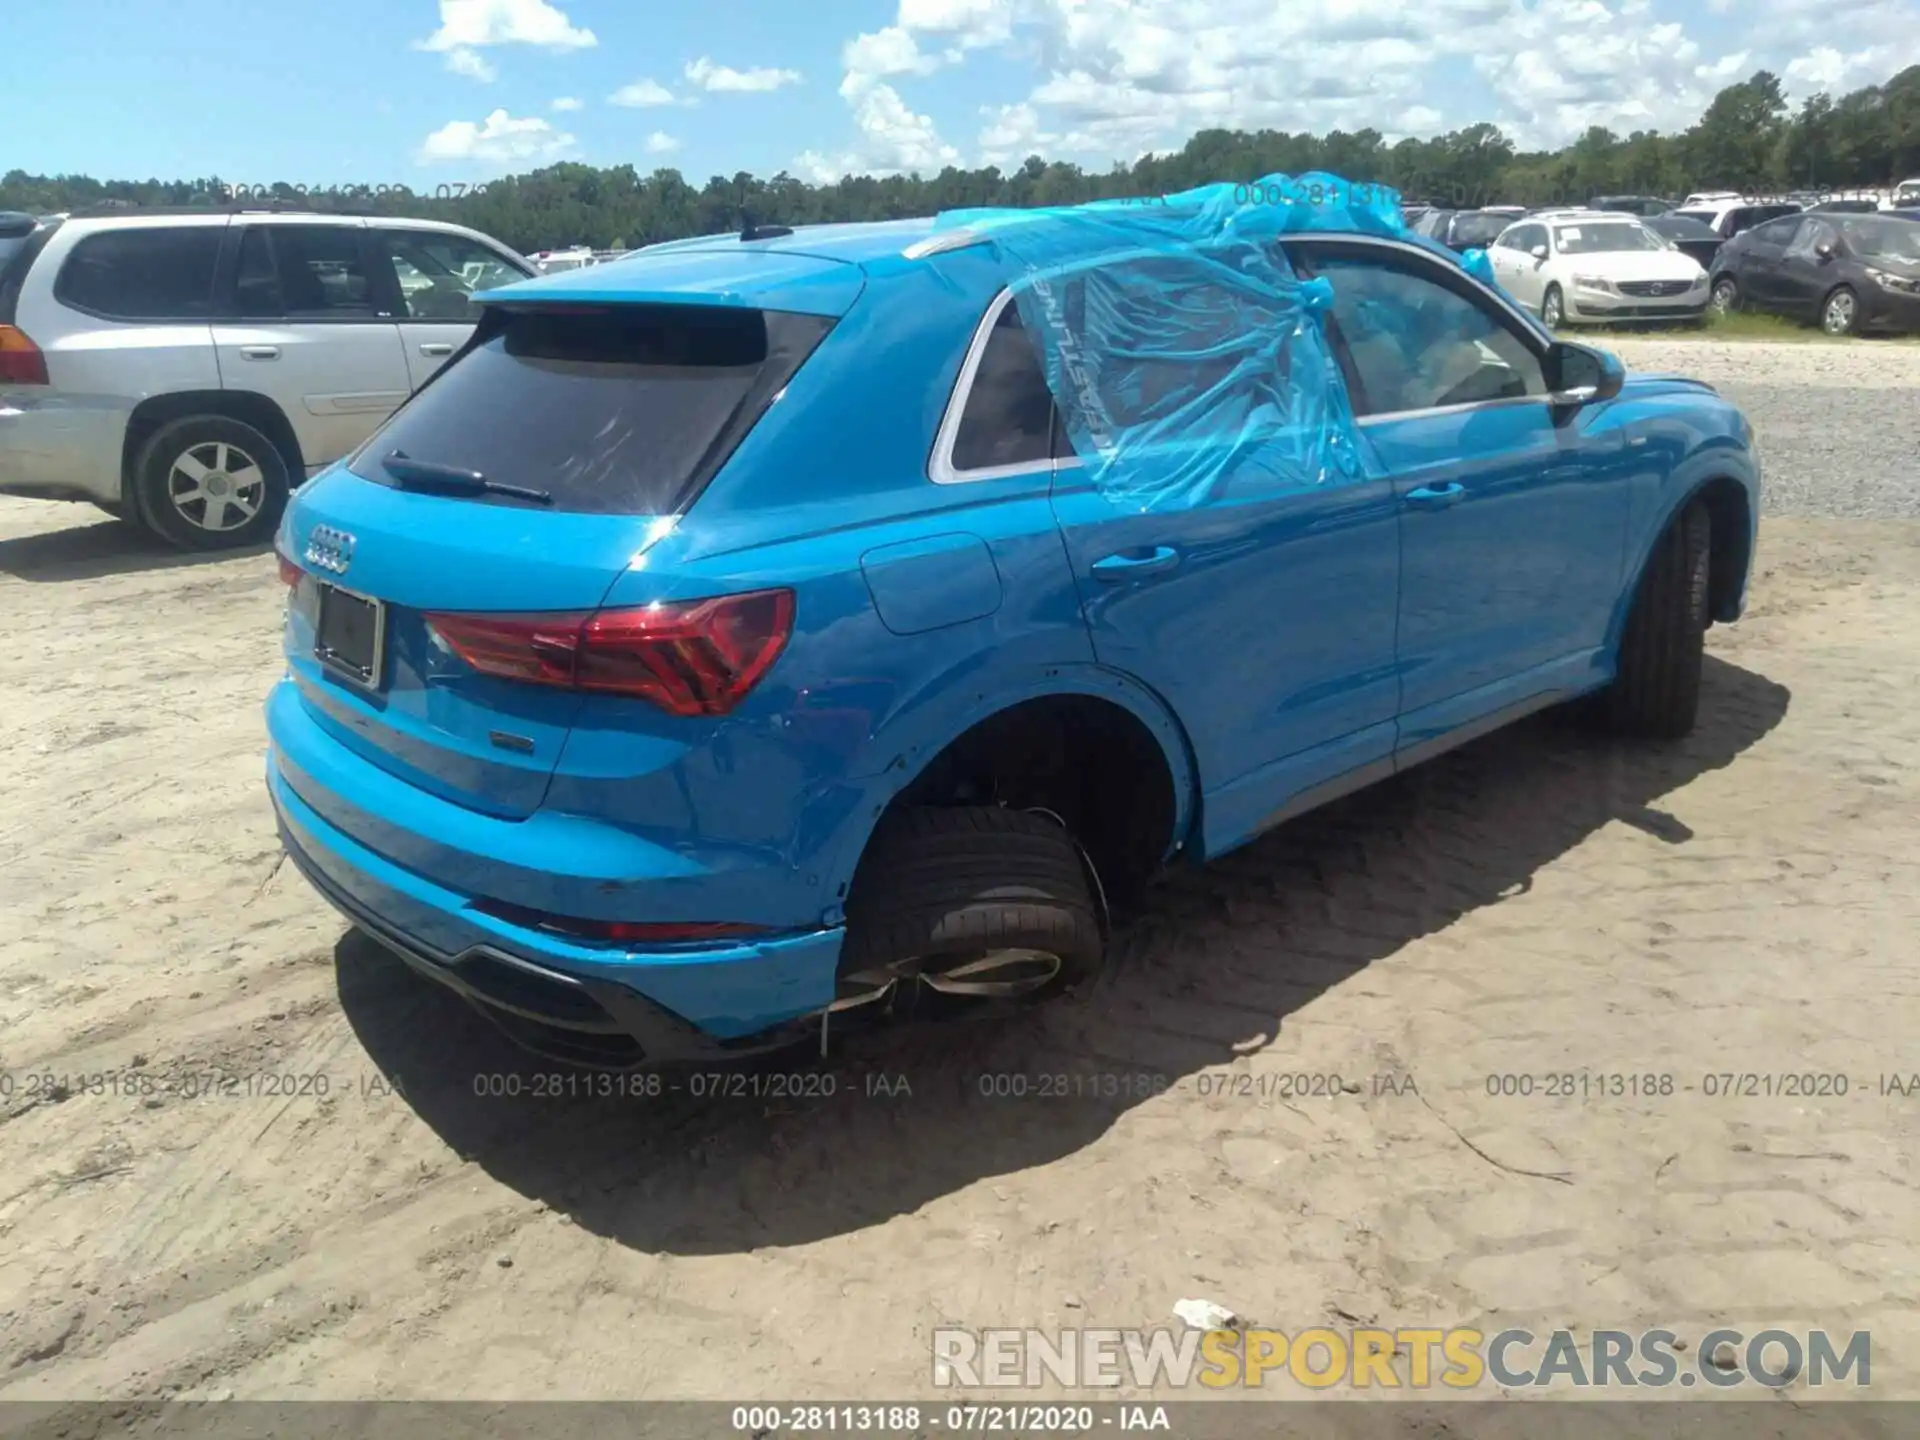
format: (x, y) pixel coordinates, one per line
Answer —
(1597, 239)
(1884, 239)
(620, 410)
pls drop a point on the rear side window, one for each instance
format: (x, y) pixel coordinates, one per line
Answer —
(142, 273)
(1009, 418)
(304, 272)
(625, 410)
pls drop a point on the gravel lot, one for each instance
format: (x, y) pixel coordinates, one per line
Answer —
(1745, 902)
(1839, 425)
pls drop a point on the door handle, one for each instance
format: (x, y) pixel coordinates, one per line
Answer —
(436, 347)
(260, 352)
(1436, 497)
(1125, 566)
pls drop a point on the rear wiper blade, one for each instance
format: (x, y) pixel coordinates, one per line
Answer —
(452, 480)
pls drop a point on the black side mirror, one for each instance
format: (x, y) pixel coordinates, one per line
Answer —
(1580, 375)
(1824, 249)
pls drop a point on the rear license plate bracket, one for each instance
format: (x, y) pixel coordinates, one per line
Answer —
(350, 635)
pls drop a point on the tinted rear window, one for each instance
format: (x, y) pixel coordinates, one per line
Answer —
(1478, 229)
(625, 410)
(143, 273)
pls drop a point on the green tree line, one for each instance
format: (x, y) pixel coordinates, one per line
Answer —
(1747, 139)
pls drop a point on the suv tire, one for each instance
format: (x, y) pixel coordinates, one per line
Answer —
(957, 897)
(1657, 690)
(209, 482)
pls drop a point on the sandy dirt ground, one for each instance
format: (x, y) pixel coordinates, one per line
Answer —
(1747, 901)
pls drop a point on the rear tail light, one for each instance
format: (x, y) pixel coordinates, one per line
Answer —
(21, 362)
(625, 932)
(698, 657)
(290, 571)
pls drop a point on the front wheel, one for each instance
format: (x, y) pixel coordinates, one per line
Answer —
(1553, 310)
(1656, 691)
(969, 909)
(209, 482)
(1841, 313)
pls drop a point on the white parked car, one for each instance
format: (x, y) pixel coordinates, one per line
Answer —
(184, 369)
(1905, 196)
(1596, 268)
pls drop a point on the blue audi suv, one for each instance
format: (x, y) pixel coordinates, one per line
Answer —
(774, 631)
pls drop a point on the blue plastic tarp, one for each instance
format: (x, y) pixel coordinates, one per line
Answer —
(1188, 359)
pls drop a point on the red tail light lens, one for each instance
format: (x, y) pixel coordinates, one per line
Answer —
(21, 362)
(290, 572)
(698, 657)
(626, 932)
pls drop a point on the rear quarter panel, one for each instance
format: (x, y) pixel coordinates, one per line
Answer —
(793, 781)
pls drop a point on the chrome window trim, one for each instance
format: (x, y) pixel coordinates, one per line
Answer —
(940, 466)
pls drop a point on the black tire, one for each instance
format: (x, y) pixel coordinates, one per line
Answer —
(1657, 690)
(1840, 312)
(1725, 295)
(940, 889)
(233, 507)
(1552, 303)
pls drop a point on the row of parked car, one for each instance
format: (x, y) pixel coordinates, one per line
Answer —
(1846, 264)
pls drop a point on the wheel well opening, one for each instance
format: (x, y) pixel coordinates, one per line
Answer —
(1732, 528)
(1088, 761)
(242, 405)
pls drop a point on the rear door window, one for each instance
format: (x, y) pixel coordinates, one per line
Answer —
(319, 272)
(624, 410)
(142, 273)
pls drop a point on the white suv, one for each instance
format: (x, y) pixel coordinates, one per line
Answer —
(184, 369)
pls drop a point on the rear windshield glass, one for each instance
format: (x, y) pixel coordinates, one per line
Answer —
(619, 410)
(1478, 229)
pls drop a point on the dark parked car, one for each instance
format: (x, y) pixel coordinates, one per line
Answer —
(1847, 207)
(1467, 229)
(1847, 273)
(1733, 217)
(1633, 204)
(1692, 238)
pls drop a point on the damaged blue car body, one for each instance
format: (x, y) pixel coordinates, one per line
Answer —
(778, 631)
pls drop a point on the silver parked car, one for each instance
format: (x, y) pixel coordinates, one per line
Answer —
(185, 369)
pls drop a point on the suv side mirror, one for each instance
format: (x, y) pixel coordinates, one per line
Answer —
(1580, 375)
(1823, 249)
(1539, 252)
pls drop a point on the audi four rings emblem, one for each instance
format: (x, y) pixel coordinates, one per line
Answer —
(330, 549)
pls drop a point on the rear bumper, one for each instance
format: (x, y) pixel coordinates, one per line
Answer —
(60, 447)
(576, 1003)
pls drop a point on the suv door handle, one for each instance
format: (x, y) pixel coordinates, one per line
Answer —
(260, 352)
(435, 347)
(1125, 566)
(1432, 497)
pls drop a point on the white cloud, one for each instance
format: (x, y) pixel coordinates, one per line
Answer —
(566, 103)
(1117, 78)
(468, 24)
(641, 94)
(499, 138)
(471, 63)
(709, 76)
(661, 143)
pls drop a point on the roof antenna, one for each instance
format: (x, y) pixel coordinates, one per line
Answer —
(749, 230)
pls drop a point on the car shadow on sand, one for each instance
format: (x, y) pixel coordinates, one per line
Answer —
(110, 547)
(1211, 969)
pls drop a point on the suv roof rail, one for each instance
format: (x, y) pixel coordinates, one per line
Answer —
(240, 207)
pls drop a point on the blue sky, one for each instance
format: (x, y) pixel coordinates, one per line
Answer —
(422, 91)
